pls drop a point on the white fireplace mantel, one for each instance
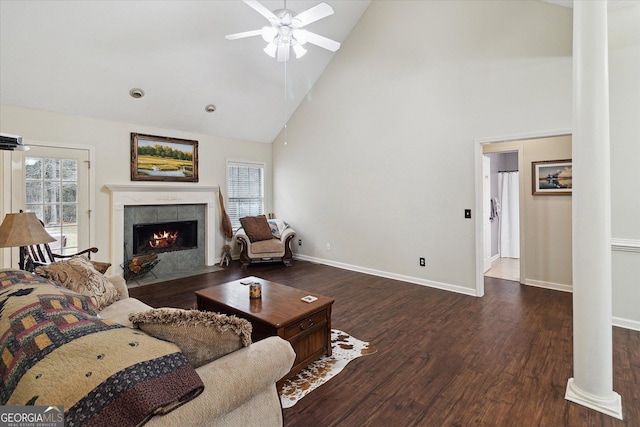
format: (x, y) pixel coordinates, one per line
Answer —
(164, 194)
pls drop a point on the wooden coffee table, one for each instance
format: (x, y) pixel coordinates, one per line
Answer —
(280, 311)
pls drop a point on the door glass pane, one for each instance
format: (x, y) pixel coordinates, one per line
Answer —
(51, 192)
(33, 192)
(69, 170)
(69, 214)
(51, 168)
(51, 215)
(69, 192)
(33, 168)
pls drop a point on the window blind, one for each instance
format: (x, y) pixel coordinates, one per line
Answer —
(245, 187)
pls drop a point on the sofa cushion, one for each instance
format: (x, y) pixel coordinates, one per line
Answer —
(56, 351)
(79, 275)
(120, 310)
(256, 228)
(202, 336)
(271, 247)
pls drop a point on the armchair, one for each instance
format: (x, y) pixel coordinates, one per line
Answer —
(273, 247)
(41, 254)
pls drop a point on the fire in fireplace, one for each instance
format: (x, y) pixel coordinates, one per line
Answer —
(164, 237)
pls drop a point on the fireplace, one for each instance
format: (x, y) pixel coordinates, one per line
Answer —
(159, 237)
(139, 203)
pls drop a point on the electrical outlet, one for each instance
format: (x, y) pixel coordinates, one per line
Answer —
(423, 263)
(299, 242)
(328, 247)
(467, 213)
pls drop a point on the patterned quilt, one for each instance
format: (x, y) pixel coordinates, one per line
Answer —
(55, 350)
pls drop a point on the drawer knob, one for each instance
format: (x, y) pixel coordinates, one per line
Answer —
(303, 327)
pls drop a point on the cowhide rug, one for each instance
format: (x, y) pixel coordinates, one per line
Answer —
(344, 347)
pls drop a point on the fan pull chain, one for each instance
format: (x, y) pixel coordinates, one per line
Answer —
(285, 96)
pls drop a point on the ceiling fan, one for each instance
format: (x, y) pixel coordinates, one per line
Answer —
(286, 30)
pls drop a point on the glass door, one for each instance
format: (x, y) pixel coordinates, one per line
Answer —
(56, 189)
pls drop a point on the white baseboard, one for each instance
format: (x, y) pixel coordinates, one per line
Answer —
(625, 245)
(548, 285)
(385, 274)
(626, 323)
(616, 321)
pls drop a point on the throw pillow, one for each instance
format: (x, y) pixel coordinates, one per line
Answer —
(277, 227)
(79, 275)
(256, 227)
(203, 336)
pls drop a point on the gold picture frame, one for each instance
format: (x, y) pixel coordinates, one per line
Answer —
(160, 158)
(552, 177)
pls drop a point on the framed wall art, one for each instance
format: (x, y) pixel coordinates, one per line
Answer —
(551, 177)
(160, 158)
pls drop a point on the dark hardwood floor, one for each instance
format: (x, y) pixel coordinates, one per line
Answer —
(443, 359)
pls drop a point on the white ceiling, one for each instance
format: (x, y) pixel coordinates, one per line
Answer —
(82, 58)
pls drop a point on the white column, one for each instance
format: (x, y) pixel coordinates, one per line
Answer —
(592, 384)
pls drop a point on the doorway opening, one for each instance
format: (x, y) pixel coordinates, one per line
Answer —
(501, 211)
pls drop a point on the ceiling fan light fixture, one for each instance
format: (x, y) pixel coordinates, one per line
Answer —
(299, 50)
(269, 34)
(300, 35)
(271, 49)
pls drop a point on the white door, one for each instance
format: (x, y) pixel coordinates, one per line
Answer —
(486, 211)
(56, 187)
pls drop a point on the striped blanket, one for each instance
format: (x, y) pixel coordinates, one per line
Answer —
(55, 350)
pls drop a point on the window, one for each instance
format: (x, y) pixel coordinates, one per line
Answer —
(245, 185)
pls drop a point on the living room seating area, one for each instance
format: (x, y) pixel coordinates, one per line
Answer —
(209, 375)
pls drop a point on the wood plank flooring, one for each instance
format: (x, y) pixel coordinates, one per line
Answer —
(443, 359)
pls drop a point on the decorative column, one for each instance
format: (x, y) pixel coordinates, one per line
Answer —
(592, 384)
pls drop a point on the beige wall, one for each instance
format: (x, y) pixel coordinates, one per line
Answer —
(111, 144)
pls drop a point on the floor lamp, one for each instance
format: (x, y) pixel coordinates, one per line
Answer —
(22, 229)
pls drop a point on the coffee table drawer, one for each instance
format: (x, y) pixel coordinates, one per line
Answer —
(315, 320)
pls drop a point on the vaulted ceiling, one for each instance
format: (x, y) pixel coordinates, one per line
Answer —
(83, 58)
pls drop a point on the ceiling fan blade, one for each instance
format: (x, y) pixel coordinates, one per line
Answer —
(319, 11)
(243, 35)
(323, 42)
(258, 7)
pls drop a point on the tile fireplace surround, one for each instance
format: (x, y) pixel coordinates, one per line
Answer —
(153, 194)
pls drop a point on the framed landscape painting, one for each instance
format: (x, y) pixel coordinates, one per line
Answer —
(159, 158)
(552, 177)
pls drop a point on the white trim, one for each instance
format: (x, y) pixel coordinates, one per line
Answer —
(611, 407)
(379, 273)
(165, 194)
(625, 245)
(548, 285)
(626, 323)
(6, 207)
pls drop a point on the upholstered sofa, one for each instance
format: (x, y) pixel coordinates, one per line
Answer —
(263, 240)
(239, 387)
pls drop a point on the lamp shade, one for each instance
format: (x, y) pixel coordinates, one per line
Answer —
(22, 229)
